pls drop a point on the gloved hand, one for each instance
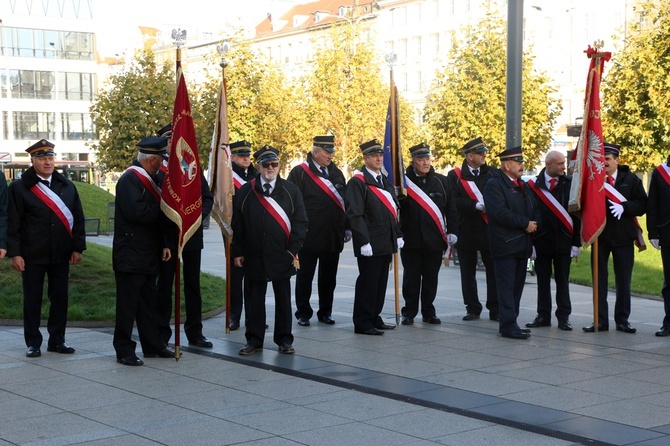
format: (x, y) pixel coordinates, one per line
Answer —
(347, 235)
(452, 239)
(480, 207)
(533, 255)
(366, 250)
(401, 242)
(617, 210)
(574, 252)
(655, 243)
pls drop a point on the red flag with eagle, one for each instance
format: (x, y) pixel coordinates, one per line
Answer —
(181, 191)
(587, 194)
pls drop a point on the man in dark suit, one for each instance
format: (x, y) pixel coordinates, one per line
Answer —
(556, 241)
(191, 260)
(4, 200)
(139, 246)
(372, 210)
(626, 200)
(658, 229)
(428, 222)
(269, 223)
(45, 236)
(243, 171)
(513, 218)
(466, 185)
(322, 186)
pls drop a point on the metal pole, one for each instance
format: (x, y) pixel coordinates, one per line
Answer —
(514, 72)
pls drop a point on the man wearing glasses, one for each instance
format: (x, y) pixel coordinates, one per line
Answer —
(269, 223)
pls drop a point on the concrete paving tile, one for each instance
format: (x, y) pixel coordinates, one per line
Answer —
(488, 384)
(239, 377)
(289, 389)
(87, 396)
(658, 399)
(606, 365)
(656, 375)
(56, 429)
(561, 398)
(61, 383)
(604, 431)
(289, 420)
(414, 368)
(241, 408)
(427, 423)
(524, 413)
(350, 434)
(617, 386)
(661, 441)
(418, 350)
(17, 372)
(213, 400)
(396, 384)
(203, 430)
(362, 407)
(632, 412)
(500, 436)
(457, 398)
(122, 440)
(17, 408)
(550, 374)
(530, 351)
(343, 372)
(472, 360)
(272, 441)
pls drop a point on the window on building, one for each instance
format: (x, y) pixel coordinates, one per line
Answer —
(416, 44)
(75, 86)
(77, 127)
(402, 50)
(435, 42)
(5, 126)
(34, 125)
(40, 43)
(28, 84)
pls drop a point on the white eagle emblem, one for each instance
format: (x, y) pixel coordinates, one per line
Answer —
(595, 161)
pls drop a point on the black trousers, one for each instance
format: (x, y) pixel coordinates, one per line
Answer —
(191, 261)
(370, 291)
(136, 301)
(467, 260)
(622, 258)
(543, 266)
(665, 292)
(510, 280)
(254, 308)
(419, 281)
(57, 292)
(238, 289)
(327, 279)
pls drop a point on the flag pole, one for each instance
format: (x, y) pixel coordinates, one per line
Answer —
(177, 263)
(396, 183)
(226, 238)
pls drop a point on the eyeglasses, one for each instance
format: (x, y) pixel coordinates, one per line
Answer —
(267, 165)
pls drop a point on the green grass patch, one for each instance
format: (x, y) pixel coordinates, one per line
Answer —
(647, 271)
(92, 289)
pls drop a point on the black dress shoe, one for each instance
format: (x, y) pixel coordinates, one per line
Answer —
(234, 325)
(407, 320)
(131, 360)
(565, 325)
(432, 320)
(664, 331)
(326, 320)
(493, 317)
(249, 349)
(515, 335)
(370, 331)
(165, 353)
(525, 330)
(60, 348)
(201, 342)
(303, 322)
(384, 326)
(625, 327)
(539, 322)
(33, 352)
(286, 349)
(470, 317)
(591, 328)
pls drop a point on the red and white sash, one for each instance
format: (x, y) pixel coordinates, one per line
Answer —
(473, 192)
(385, 197)
(664, 170)
(238, 181)
(615, 197)
(54, 202)
(427, 204)
(554, 206)
(325, 185)
(148, 182)
(273, 208)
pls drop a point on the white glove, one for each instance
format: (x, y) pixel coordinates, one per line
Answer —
(655, 243)
(533, 255)
(574, 252)
(366, 250)
(617, 210)
(401, 242)
(347, 236)
(480, 207)
(452, 239)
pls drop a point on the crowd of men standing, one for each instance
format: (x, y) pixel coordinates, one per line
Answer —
(299, 226)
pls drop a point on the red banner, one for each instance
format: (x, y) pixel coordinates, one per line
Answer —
(587, 194)
(182, 190)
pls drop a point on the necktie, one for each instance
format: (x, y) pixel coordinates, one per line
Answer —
(552, 184)
(610, 180)
(324, 171)
(379, 180)
(475, 172)
(267, 187)
(46, 183)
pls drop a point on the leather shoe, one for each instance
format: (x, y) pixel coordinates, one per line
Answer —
(371, 331)
(33, 352)
(664, 331)
(303, 322)
(234, 325)
(470, 317)
(525, 330)
(384, 326)
(432, 320)
(494, 317)
(60, 348)
(407, 320)
(539, 322)
(591, 328)
(131, 360)
(326, 320)
(165, 353)
(249, 349)
(565, 325)
(625, 327)
(515, 335)
(201, 342)
(286, 349)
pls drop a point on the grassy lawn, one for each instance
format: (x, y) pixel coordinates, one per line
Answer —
(647, 272)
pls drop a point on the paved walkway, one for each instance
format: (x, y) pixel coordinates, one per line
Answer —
(457, 383)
